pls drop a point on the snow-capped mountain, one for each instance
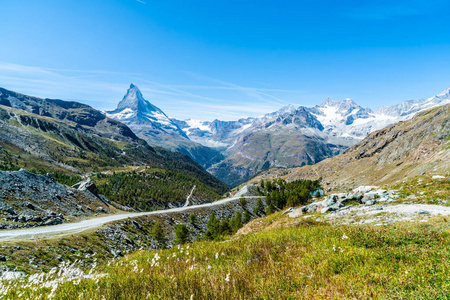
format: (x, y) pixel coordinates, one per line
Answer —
(292, 136)
(235, 150)
(348, 121)
(139, 113)
(345, 122)
(410, 107)
(151, 124)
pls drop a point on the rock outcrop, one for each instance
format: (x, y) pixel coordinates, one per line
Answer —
(27, 200)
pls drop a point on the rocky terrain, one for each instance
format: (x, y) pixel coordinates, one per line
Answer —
(30, 200)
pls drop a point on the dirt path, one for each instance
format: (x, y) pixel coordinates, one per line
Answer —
(70, 228)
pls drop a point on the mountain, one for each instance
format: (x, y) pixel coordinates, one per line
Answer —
(152, 124)
(406, 149)
(293, 137)
(285, 138)
(70, 138)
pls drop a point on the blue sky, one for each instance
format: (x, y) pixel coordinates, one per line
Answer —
(226, 59)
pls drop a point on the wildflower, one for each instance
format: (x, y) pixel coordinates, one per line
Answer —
(228, 277)
(217, 255)
(334, 247)
(209, 267)
(344, 237)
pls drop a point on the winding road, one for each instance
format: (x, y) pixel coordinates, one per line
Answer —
(37, 233)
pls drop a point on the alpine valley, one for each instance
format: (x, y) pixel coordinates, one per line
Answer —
(234, 151)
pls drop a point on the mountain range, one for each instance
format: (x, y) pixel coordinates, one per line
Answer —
(418, 146)
(236, 150)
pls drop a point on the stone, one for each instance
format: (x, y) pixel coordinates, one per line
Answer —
(136, 225)
(367, 197)
(88, 185)
(370, 203)
(331, 200)
(29, 205)
(329, 209)
(11, 211)
(11, 275)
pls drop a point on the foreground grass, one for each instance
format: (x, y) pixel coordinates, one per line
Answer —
(303, 259)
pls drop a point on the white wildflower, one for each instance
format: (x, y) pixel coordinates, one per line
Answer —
(344, 237)
(228, 277)
(217, 255)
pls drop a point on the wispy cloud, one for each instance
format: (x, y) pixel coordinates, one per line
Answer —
(104, 89)
(140, 1)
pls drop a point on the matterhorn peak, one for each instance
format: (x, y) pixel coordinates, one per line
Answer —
(133, 99)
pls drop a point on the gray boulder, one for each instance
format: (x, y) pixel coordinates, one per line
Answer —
(370, 202)
(331, 200)
(310, 208)
(86, 185)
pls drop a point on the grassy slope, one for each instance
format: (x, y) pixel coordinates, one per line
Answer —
(280, 257)
(286, 259)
